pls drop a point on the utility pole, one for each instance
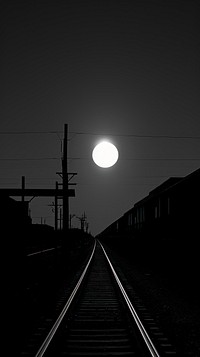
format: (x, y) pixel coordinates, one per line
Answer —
(65, 181)
(83, 221)
(57, 193)
(70, 220)
(66, 178)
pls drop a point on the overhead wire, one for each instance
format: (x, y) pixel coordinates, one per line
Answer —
(142, 135)
(57, 132)
(74, 133)
(87, 158)
(29, 158)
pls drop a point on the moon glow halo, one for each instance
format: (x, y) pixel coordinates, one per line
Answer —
(105, 154)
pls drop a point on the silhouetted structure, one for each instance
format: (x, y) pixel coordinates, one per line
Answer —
(170, 211)
(13, 214)
(162, 232)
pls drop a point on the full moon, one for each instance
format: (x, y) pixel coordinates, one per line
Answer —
(105, 154)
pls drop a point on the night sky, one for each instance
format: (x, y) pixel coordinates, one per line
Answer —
(124, 70)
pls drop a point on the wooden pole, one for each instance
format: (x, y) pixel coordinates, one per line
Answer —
(65, 181)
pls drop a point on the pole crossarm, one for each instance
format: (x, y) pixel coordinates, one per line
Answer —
(37, 192)
(70, 177)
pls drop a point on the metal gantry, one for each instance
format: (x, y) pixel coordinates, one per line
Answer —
(58, 193)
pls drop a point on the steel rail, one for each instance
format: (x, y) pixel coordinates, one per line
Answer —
(40, 252)
(149, 343)
(53, 330)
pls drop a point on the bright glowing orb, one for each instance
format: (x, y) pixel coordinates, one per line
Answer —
(105, 154)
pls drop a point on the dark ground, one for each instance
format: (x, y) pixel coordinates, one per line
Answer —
(171, 295)
(175, 304)
(34, 286)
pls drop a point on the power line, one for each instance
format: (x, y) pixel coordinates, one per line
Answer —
(102, 134)
(28, 132)
(139, 136)
(144, 159)
(165, 159)
(30, 159)
(88, 158)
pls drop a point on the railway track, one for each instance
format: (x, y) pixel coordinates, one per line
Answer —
(98, 319)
